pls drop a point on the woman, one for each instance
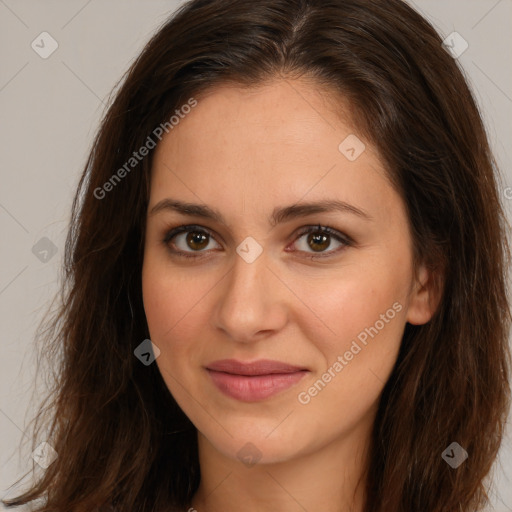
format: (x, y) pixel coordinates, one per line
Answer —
(285, 274)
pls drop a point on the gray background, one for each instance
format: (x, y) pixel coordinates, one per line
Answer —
(50, 111)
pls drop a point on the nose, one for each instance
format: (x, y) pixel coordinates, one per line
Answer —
(251, 301)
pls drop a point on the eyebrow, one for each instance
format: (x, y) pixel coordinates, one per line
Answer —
(279, 215)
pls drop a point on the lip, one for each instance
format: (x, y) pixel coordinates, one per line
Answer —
(255, 380)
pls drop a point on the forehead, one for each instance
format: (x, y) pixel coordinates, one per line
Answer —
(268, 145)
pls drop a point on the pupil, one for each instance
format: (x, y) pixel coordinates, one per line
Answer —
(318, 238)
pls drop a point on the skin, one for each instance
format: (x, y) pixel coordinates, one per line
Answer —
(245, 152)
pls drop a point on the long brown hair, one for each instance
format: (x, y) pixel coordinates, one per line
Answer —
(122, 441)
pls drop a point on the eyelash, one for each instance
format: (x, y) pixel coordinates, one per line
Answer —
(317, 229)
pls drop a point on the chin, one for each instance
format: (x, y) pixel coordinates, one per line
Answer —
(258, 442)
(250, 451)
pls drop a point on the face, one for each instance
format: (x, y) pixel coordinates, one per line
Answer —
(279, 300)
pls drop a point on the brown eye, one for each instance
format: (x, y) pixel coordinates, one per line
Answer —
(193, 241)
(319, 239)
(318, 242)
(197, 240)
(187, 240)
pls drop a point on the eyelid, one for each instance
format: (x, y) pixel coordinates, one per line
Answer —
(339, 236)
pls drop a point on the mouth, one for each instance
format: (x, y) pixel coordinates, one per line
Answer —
(254, 381)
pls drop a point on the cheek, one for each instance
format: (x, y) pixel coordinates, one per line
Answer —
(166, 314)
(159, 301)
(177, 314)
(358, 302)
(367, 313)
(170, 296)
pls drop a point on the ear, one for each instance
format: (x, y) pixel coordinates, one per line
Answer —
(425, 297)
